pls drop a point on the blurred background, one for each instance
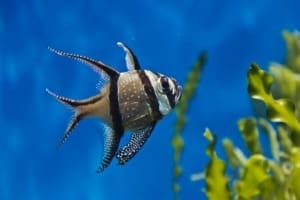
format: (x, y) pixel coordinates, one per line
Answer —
(166, 36)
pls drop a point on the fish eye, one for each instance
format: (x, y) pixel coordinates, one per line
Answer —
(164, 83)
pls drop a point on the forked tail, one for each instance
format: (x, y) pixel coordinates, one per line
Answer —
(81, 111)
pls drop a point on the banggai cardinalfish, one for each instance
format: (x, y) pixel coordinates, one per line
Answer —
(133, 101)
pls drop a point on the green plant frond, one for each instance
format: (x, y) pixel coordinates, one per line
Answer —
(282, 110)
(295, 156)
(284, 81)
(282, 106)
(294, 182)
(248, 128)
(217, 186)
(292, 40)
(177, 141)
(277, 173)
(286, 85)
(259, 83)
(285, 141)
(234, 155)
(271, 132)
(257, 177)
(255, 174)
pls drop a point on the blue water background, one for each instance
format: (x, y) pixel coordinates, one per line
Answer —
(167, 36)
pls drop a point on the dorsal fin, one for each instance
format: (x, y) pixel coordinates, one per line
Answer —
(96, 65)
(132, 62)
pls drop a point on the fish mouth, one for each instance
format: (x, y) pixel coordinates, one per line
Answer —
(178, 94)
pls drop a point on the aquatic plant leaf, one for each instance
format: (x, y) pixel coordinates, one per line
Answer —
(235, 160)
(293, 50)
(285, 141)
(277, 177)
(269, 190)
(254, 175)
(177, 141)
(259, 82)
(247, 127)
(282, 110)
(284, 81)
(271, 132)
(294, 156)
(217, 186)
(275, 114)
(286, 76)
(277, 173)
(294, 181)
(286, 85)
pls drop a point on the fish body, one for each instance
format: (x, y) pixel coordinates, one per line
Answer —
(133, 101)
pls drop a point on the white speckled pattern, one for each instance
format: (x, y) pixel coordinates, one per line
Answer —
(134, 103)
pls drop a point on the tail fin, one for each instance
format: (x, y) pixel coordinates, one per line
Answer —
(78, 107)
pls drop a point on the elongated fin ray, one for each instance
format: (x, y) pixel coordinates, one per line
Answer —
(74, 103)
(79, 113)
(137, 140)
(96, 65)
(67, 101)
(74, 121)
(111, 144)
(72, 124)
(132, 62)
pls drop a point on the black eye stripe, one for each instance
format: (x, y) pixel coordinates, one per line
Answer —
(171, 99)
(170, 95)
(150, 93)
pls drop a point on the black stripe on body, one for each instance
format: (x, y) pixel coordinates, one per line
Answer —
(150, 93)
(114, 135)
(114, 106)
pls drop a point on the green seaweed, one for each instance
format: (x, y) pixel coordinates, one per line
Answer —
(249, 131)
(258, 175)
(189, 91)
(281, 110)
(217, 184)
(253, 177)
(261, 176)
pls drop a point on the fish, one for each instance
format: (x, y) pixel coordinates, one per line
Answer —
(131, 101)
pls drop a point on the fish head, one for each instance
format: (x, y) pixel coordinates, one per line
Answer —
(168, 92)
(169, 87)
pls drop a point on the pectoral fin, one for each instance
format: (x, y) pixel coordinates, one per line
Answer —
(137, 140)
